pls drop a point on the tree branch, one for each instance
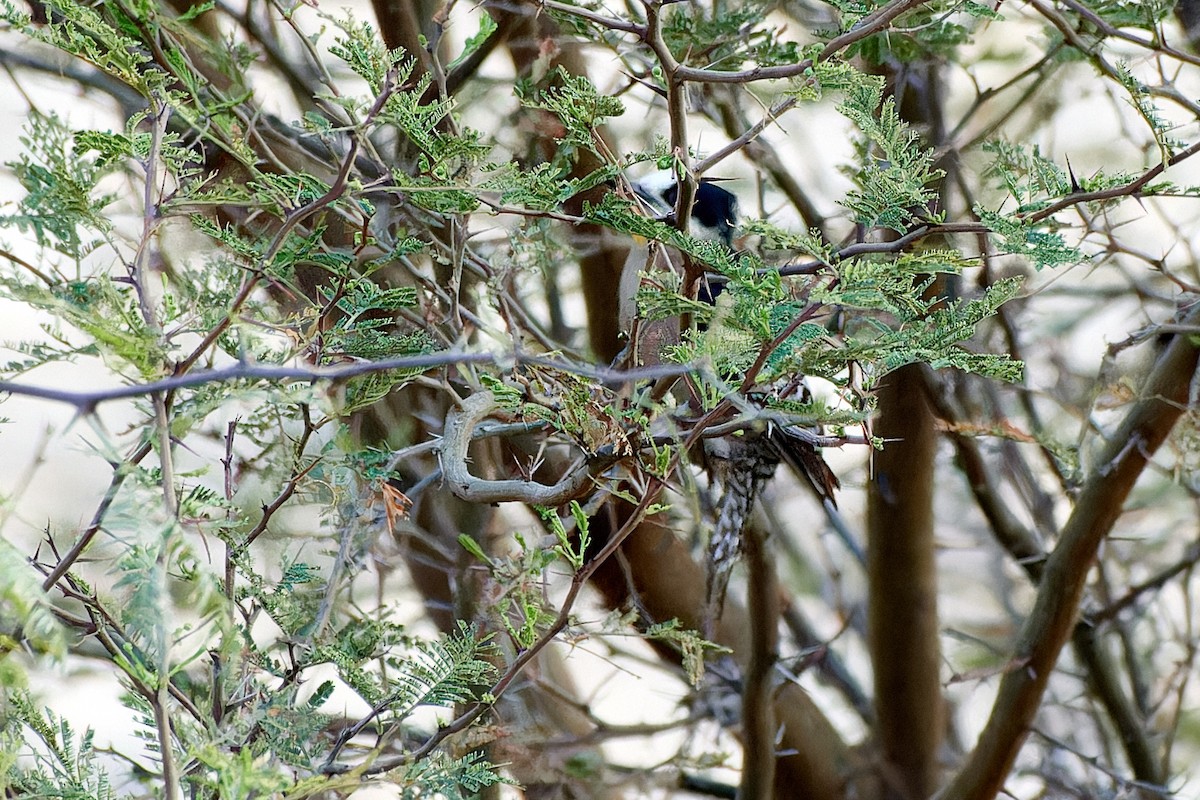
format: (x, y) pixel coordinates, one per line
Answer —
(456, 438)
(758, 718)
(1164, 397)
(86, 401)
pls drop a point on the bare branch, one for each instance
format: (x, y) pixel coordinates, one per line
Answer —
(87, 401)
(1049, 625)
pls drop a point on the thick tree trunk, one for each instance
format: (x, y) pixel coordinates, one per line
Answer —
(903, 618)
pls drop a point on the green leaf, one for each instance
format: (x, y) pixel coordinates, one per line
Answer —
(487, 27)
(471, 546)
(728, 37)
(577, 104)
(894, 183)
(195, 11)
(25, 608)
(691, 645)
(1042, 248)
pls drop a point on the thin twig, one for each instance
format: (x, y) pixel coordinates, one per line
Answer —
(870, 25)
(87, 401)
(293, 482)
(120, 473)
(1135, 593)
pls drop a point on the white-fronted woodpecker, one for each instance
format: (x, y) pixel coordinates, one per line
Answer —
(741, 464)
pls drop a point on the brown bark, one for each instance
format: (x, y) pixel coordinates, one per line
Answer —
(758, 717)
(1088, 641)
(903, 620)
(669, 583)
(601, 253)
(536, 715)
(400, 24)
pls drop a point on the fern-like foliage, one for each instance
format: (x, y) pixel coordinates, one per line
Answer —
(728, 39)
(453, 778)
(894, 184)
(442, 673)
(45, 757)
(576, 104)
(1043, 249)
(60, 174)
(25, 612)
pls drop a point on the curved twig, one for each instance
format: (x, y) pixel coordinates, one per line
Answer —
(456, 438)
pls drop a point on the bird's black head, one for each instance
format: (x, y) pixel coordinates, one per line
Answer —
(714, 213)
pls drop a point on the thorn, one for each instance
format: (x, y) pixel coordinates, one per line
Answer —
(1075, 187)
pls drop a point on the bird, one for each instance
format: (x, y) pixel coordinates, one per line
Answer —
(714, 218)
(740, 464)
